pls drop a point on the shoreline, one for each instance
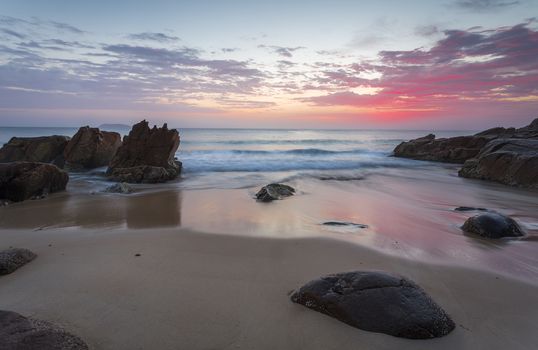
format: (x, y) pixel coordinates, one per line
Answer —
(199, 290)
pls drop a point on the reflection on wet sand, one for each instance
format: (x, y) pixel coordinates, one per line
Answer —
(158, 209)
(154, 209)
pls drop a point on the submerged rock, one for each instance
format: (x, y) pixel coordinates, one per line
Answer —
(21, 333)
(377, 302)
(273, 192)
(121, 187)
(91, 148)
(23, 180)
(470, 209)
(492, 225)
(344, 223)
(14, 258)
(146, 155)
(509, 161)
(43, 149)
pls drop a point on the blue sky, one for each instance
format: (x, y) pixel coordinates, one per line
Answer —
(249, 63)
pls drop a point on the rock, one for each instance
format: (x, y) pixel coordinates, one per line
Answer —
(470, 209)
(344, 223)
(91, 148)
(13, 258)
(492, 225)
(121, 187)
(146, 155)
(43, 149)
(512, 162)
(21, 333)
(23, 180)
(450, 150)
(273, 192)
(377, 302)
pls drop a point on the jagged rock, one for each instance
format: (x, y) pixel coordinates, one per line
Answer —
(21, 333)
(377, 302)
(273, 192)
(43, 149)
(23, 180)
(492, 225)
(121, 187)
(146, 155)
(14, 258)
(91, 148)
(509, 161)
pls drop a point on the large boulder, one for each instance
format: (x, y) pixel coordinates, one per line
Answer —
(91, 148)
(43, 149)
(14, 258)
(146, 155)
(24, 180)
(273, 192)
(509, 161)
(492, 225)
(376, 302)
(21, 333)
(450, 150)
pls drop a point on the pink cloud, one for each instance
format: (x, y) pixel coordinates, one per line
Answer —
(485, 68)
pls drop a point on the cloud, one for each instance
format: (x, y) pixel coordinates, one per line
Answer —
(485, 5)
(151, 36)
(282, 50)
(12, 33)
(484, 66)
(427, 30)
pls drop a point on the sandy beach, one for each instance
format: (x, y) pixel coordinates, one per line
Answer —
(191, 290)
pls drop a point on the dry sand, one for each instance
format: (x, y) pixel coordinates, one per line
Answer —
(191, 290)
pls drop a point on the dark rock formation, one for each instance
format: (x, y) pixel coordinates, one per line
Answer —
(505, 155)
(344, 223)
(21, 333)
(13, 258)
(492, 225)
(273, 192)
(146, 155)
(450, 150)
(91, 148)
(43, 149)
(377, 302)
(24, 180)
(509, 161)
(121, 187)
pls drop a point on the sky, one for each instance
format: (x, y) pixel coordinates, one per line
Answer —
(448, 64)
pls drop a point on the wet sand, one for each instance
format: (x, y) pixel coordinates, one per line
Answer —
(190, 290)
(409, 213)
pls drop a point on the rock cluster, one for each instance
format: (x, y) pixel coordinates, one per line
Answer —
(43, 149)
(24, 180)
(91, 148)
(146, 155)
(377, 302)
(22, 333)
(505, 155)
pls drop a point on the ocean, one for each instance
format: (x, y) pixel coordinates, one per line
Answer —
(340, 175)
(244, 157)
